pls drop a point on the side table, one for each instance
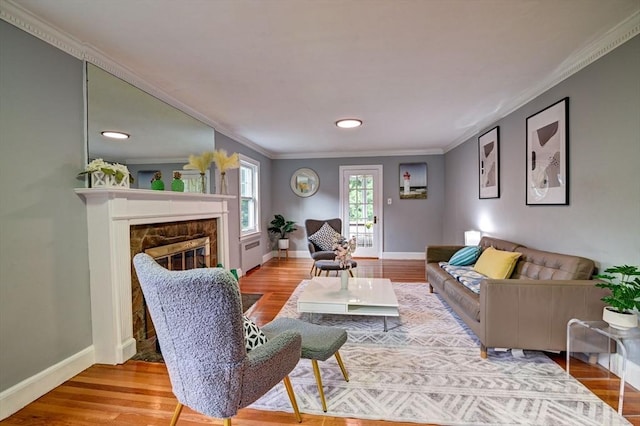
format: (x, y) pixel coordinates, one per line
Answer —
(284, 252)
(596, 337)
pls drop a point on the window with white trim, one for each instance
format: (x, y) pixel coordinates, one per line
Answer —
(249, 190)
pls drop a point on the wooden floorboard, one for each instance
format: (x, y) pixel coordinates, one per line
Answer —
(139, 393)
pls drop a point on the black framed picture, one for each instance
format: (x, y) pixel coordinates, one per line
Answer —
(548, 155)
(489, 164)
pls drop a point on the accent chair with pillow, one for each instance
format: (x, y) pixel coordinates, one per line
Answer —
(198, 319)
(320, 237)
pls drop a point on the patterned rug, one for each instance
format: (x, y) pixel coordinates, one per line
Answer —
(427, 369)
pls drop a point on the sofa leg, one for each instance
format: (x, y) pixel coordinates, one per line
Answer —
(430, 288)
(483, 351)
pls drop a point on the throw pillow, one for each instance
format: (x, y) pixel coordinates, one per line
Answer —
(253, 336)
(496, 264)
(325, 237)
(465, 256)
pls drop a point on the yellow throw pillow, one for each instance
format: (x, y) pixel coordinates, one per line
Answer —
(496, 264)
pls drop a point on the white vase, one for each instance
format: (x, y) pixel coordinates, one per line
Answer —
(624, 321)
(344, 279)
(283, 244)
(103, 180)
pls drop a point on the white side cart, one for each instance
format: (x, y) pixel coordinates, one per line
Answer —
(591, 338)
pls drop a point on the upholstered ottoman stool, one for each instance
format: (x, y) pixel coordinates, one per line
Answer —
(319, 342)
(332, 265)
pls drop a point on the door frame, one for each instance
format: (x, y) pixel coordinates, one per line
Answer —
(378, 206)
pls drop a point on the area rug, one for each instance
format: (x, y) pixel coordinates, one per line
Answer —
(427, 369)
(248, 300)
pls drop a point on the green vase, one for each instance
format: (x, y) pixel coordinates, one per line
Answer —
(157, 185)
(177, 185)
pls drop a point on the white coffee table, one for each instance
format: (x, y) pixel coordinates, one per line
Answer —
(365, 296)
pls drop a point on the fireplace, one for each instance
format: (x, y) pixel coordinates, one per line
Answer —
(176, 246)
(111, 214)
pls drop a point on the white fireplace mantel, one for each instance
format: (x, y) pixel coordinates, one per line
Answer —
(110, 213)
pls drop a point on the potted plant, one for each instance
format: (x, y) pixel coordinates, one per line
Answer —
(281, 227)
(624, 298)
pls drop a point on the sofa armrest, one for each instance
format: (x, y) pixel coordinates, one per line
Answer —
(533, 314)
(441, 253)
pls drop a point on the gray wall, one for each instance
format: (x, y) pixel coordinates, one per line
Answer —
(44, 269)
(602, 221)
(233, 187)
(408, 224)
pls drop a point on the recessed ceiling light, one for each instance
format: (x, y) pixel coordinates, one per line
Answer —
(114, 135)
(349, 123)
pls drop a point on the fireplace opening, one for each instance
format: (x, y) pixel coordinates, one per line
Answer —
(175, 246)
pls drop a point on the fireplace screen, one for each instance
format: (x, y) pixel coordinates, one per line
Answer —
(184, 255)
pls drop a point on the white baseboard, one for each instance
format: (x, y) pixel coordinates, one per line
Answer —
(32, 388)
(398, 255)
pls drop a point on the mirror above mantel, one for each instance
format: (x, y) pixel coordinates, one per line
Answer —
(159, 133)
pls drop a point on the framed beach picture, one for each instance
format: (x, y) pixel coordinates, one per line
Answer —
(548, 155)
(489, 164)
(413, 181)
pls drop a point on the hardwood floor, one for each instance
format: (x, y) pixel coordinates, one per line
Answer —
(139, 393)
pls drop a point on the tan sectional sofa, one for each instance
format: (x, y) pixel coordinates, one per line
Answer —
(529, 310)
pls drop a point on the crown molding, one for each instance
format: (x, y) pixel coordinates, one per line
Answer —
(351, 154)
(32, 24)
(613, 38)
(28, 22)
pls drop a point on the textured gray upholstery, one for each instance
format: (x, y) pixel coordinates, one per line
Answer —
(319, 342)
(198, 319)
(311, 227)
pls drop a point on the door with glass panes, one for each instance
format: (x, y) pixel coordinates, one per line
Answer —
(361, 208)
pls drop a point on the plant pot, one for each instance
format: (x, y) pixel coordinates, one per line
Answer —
(621, 321)
(283, 244)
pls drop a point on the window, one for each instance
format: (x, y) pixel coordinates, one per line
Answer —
(249, 190)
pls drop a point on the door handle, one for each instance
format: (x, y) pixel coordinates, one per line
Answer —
(375, 219)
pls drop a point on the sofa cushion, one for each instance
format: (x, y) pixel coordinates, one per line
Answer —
(465, 275)
(496, 264)
(545, 265)
(325, 237)
(465, 256)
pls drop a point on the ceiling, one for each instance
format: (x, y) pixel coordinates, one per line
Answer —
(423, 75)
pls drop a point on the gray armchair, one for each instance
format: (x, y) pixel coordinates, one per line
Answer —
(311, 227)
(198, 319)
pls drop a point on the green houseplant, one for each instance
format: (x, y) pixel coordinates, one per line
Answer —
(282, 227)
(624, 298)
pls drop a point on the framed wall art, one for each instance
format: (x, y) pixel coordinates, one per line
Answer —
(413, 181)
(548, 155)
(305, 182)
(489, 164)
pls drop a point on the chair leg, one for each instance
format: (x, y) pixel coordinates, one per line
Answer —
(341, 364)
(226, 422)
(176, 414)
(327, 274)
(292, 398)
(351, 272)
(316, 372)
(313, 267)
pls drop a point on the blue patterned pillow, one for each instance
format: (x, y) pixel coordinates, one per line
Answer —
(465, 256)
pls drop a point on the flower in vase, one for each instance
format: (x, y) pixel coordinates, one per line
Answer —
(344, 250)
(225, 162)
(199, 162)
(119, 171)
